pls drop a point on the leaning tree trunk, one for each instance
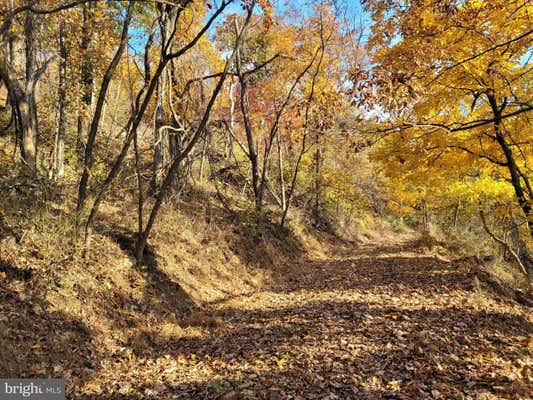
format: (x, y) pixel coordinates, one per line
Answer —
(88, 159)
(514, 171)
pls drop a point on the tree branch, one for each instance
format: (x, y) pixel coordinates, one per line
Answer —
(503, 243)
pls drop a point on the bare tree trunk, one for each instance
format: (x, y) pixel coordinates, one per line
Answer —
(22, 94)
(207, 138)
(229, 140)
(29, 133)
(28, 107)
(456, 215)
(86, 77)
(8, 56)
(140, 197)
(281, 176)
(425, 216)
(91, 137)
(177, 128)
(160, 136)
(252, 151)
(514, 171)
(59, 147)
(14, 93)
(162, 141)
(317, 160)
(266, 159)
(116, 107)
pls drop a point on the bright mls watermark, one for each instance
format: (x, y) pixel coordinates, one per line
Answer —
(42, 389)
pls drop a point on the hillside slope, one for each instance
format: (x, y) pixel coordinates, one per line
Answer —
(383, 322)
(229, 306)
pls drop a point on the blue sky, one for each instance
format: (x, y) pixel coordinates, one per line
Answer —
(352, 9)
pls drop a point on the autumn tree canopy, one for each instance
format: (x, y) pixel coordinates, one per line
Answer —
(401, 107)
(453, 81)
